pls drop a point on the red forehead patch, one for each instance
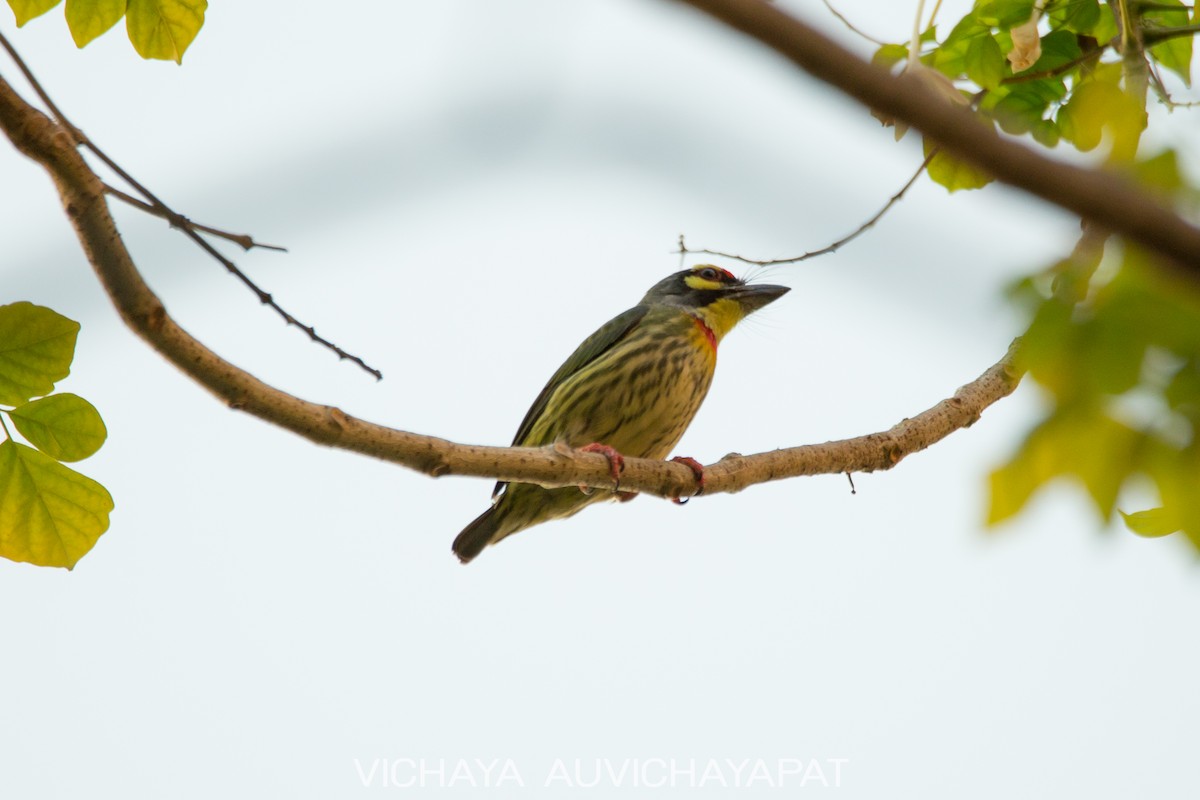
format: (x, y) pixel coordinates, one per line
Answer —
(713, 272)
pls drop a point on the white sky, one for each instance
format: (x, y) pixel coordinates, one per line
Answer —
(453, 180)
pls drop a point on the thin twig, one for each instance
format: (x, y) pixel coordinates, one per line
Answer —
(243, 240)
(841, 18)
(178, 221)
(683, 250)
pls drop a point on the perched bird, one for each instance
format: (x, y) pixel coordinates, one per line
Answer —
(631, 388)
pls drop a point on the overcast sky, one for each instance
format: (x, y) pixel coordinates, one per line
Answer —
(269, 618)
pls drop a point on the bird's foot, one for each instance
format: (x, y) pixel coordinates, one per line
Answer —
(625, 497)
(616, 463)
(697, 469)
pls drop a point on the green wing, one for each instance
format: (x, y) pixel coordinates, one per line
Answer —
(592, 348)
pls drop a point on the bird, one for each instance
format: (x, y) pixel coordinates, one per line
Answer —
(630, 389)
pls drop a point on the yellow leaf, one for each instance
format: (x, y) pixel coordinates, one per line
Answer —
(954, 173)
(1082, 442)
(164, 29)
(87, 19)
(1097, 107)
(25, 10)
(50, 515)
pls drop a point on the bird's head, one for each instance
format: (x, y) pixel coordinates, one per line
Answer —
(713, 295)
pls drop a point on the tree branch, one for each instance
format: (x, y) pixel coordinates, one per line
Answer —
(83, 197)
(1106, 197)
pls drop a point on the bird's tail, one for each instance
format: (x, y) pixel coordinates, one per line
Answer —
(476, 536)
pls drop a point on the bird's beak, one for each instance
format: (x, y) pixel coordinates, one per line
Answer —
(755, 296)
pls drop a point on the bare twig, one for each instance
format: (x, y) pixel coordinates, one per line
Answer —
(177, 220)
(242, 240)
(683, 250)
(850, 25)
(84, 197)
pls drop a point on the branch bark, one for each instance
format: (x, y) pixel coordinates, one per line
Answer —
(83, 198)
(1104, 197)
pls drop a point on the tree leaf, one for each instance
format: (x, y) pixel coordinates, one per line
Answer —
(889, 55)
(1078, 16)
(37, 346)
(87, 19)
(1046, 133)
(1096, 107)
(1020, 110)
(50, 515)
(164, 28)
(1058, 48)
(25, 10)
(1082, 442)
(1153, 522)
(950, 58)
(1003, 13)
(1174, 54)
(63, 426)
(984, 62)
(953, 173)
(1160, 171)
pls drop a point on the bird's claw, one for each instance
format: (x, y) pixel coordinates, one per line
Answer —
(698, 470)
(616, 463)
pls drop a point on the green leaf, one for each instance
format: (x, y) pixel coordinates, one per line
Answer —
(1096, 107)
(953, 173)
(63, 426)
(36, 349)
(1106, 29)
(1020, 110)
(983, 61)
(1160, 171)
(50, 515)
(1079, 16)
(25, 10)
(164, 29)
(1003, 13)
(87, 19)
(1058, 48)
(951, 57)
(1048, 349)
(889, 55)
(1177, 474)
(1174, 54)
(1046, 133)
(1182, 392)
(1081, 442)
(1153, 522)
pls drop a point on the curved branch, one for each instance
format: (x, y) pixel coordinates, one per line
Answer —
(83, 197)
(1105, 197)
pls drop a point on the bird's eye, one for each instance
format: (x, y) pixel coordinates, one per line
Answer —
(709, 274)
